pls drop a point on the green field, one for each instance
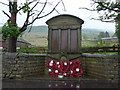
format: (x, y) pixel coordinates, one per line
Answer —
(36, 39)
(38, 35)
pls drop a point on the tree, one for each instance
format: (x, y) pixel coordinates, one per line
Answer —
(118, 27)
(114, 35)
(11, 30)
(101, 35)
(107, 34)
(109, 11)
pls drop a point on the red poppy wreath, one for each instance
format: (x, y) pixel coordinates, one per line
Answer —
(64, 69)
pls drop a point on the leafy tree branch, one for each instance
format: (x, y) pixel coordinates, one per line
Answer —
(11, 30)
(110, 12)
(4, 3)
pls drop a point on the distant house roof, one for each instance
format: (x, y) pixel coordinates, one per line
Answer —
(107, 38)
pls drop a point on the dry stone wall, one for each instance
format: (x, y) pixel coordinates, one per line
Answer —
(17, 65)
(101, 66)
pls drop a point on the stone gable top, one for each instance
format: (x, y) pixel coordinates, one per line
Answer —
(64, 20)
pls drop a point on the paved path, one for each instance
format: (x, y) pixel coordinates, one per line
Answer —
(49, 83)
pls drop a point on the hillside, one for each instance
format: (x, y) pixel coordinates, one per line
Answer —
(92, 33)
(38, 35)
(37, 29)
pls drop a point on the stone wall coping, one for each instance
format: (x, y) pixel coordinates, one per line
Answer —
(110, 56)
(33, 54)
(24, 54)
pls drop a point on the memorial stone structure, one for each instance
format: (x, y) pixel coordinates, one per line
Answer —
(64, 43)
(64, 36)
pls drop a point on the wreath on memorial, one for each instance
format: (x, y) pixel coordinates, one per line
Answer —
(65, 69)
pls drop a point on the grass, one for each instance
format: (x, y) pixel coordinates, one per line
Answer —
(30, 50)
(84, 44)
(97, 44)
(35, 39)
(87, 44)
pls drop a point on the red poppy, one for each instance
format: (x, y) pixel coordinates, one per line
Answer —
(58, 66)
(76, 64)
(66, 73)
(50, 63)
(66, 66)
(52, 72)
(78, 73)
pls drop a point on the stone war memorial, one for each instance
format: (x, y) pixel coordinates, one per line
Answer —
(64, 65)
(64, 43)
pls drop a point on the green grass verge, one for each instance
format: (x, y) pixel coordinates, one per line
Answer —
(30, 50)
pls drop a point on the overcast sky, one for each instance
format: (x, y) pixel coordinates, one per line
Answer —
(72, 7)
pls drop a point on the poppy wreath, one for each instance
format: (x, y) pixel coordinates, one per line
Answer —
(52, 72)
(57, 72)
(59, 66)
(51, 64)
(78, 72)
(67, 68)
(76, 64)
(71, 65)
(66, 73)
